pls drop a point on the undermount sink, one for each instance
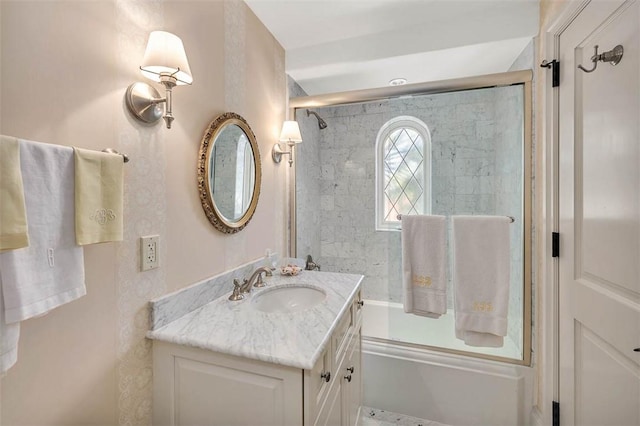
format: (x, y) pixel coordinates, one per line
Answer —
(290, 298)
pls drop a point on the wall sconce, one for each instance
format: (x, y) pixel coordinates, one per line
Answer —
(165, 61)
(291, 135)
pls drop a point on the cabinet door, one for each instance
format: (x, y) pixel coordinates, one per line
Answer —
(341, 336)
(194, 387)
(353, 389)
(332, 410)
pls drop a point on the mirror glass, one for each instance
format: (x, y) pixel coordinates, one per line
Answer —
(232, 172)
(229, 182)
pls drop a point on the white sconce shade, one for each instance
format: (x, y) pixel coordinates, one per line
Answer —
(165, 55)
(291, 135)
(290, 132)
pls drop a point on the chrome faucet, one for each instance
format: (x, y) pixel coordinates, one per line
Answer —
(311, 265)
(257, 277)
(245, 287)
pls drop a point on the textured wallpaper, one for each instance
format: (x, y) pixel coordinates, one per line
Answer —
(234, 56)
(145, 214)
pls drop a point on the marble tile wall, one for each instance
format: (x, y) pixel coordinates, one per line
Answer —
(472, 139)
(462, 127)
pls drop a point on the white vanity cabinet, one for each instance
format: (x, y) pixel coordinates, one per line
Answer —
(201, 387)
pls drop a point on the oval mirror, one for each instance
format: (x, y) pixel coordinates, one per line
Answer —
(229, 173)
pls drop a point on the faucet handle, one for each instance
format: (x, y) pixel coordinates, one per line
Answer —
(244, 288)
(259, 281)
(311, 265)
(235, 296)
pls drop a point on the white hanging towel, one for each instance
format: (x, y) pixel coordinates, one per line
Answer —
(50, 272)
(9, 335)
(481, 278)
(424, 265)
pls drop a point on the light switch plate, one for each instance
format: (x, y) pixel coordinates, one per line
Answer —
(149, 258)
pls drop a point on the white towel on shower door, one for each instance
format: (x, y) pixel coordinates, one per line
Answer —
(481, 278)
(50, 272)
(424, 265)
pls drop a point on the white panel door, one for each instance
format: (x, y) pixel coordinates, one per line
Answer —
(600, 218)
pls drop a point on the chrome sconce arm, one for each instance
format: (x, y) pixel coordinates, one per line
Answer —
(143, 101)
(277, 152)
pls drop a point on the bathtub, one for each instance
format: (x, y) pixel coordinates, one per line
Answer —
(405, 376)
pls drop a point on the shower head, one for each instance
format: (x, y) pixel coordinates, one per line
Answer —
(321, 123)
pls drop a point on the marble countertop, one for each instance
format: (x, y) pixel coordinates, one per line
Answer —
(295, 339)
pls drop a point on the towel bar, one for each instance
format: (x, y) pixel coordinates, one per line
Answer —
(125, 157)
(511, 218)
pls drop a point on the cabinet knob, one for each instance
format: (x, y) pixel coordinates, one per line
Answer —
(636, 350)
(360, 303)
(326, 376)
(348, 378)
(350, 369)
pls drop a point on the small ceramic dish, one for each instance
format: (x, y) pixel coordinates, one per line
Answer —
(290, 270)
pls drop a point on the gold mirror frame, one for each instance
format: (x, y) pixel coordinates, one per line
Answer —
(216, 218)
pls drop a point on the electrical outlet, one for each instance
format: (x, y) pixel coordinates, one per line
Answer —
(149, 258)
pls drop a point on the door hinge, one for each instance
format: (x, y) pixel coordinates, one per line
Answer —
(555, 244)
(555, 71)
(555, 413)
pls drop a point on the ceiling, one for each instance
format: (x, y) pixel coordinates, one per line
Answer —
(340, 45)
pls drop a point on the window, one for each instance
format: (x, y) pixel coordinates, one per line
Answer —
(403, 171)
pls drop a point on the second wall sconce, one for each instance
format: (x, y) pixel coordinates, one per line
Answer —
(165, 62)
(290, 135)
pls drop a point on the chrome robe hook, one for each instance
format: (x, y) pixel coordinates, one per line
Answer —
(613, 56)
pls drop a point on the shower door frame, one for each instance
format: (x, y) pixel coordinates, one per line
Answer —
(453, 85)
